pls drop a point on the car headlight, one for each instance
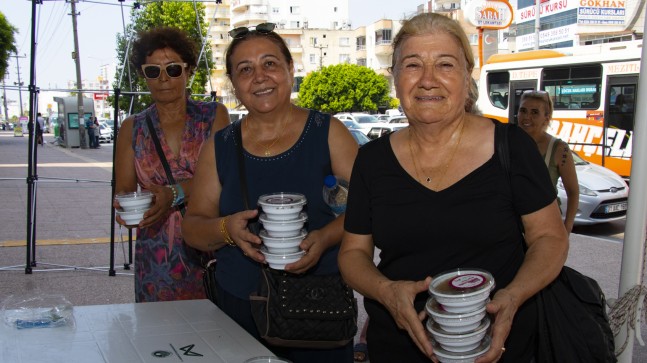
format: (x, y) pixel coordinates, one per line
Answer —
(586, 191)
(583, 190)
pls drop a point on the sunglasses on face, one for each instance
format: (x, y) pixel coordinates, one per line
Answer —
(241, 32)
(173, 70)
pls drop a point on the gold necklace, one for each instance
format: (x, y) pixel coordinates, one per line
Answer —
(451, 158)
(268, 149)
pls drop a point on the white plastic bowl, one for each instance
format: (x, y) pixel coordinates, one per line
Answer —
(457, 342)
(454, 322)
(282, 206)
(132, 217)
(282, 245)
(446, 356)
(278, 261)
(135, 200)
(277, 228)
(462, 290)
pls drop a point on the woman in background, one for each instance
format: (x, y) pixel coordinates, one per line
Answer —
(166, 268)
(535, 112)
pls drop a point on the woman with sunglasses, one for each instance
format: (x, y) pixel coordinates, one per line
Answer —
(435, 197)
(165, 267)
(535, 112)
(285, 149)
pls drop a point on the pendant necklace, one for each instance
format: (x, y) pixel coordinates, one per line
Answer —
(451, 158)
(268, 149)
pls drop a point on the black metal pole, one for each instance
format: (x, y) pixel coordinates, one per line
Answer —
(111, 271)
(31, 191)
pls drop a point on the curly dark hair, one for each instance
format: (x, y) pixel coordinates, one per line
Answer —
(149, 41)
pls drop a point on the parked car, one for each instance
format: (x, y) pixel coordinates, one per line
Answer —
(365, 120)
(383, 118)
(106, 133)
(351, 124)
(359, 136)
(382, 130)
(398, 120)
(603, 194)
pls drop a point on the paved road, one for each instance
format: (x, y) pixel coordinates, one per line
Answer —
(73, 228)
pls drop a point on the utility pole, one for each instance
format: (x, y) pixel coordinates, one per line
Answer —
(4, 102)
(77, 59)
(321, 48)
(19, 83)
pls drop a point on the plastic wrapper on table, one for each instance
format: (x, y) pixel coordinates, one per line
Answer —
(42, 311)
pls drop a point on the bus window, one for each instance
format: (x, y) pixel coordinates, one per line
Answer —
(498, 84)
(621, 110)
(574, 87)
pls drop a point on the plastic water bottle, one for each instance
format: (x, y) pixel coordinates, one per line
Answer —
(335, 193)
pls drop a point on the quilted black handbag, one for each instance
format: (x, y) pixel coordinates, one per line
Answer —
(304, 311)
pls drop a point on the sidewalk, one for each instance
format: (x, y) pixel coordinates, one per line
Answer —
(73, 228)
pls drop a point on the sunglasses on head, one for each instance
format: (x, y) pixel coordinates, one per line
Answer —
(173, 70)
(241, 32)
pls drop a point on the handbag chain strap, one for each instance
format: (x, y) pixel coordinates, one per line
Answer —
(160, 153)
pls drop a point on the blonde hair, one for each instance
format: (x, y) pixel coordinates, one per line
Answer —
(541, 96)
(430, 23)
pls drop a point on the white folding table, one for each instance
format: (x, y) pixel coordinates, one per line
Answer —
(162, 332)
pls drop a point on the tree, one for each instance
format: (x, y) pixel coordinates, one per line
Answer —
(7, 44)
(182, 15)
(344, 87)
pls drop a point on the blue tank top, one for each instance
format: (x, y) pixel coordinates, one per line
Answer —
(300, 169)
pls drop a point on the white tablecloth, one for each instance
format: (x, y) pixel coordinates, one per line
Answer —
(163, 332)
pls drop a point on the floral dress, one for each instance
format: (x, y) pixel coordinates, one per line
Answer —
(166, 268)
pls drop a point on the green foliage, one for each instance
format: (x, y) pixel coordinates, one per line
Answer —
(7, 44)
(344, 87)
(394, 103)
(176, 14)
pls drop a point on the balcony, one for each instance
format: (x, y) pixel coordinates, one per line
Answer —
(238, 5)
(383, 47)
(249, 19)
(447, 7)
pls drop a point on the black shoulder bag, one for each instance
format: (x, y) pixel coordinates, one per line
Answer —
(573, 324)
(299, 311)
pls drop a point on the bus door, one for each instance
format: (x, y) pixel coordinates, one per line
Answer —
(517, 88)
(619, 118)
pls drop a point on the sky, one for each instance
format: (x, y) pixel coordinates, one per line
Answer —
(98, 23)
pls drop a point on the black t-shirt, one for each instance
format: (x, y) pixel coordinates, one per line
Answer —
(470, 224)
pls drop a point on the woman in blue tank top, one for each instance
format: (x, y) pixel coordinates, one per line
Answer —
(285, 149)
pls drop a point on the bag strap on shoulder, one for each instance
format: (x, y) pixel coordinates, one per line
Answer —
(160, 153)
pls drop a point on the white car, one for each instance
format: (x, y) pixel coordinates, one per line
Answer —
(106, 134)
(365, 120)
(603, 194)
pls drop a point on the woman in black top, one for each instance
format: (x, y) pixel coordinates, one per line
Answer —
(434, 197)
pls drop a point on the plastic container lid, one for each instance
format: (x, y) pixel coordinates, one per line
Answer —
(330, 181)
(461, 283)
(434, 308)
(266, 220)
(456, 357)
(282, 200)
(134, 195)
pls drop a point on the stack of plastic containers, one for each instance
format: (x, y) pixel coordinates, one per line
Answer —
(133, 206)
(283, 220)
(457, 321)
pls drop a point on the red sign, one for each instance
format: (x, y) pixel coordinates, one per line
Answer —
(100, 96)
